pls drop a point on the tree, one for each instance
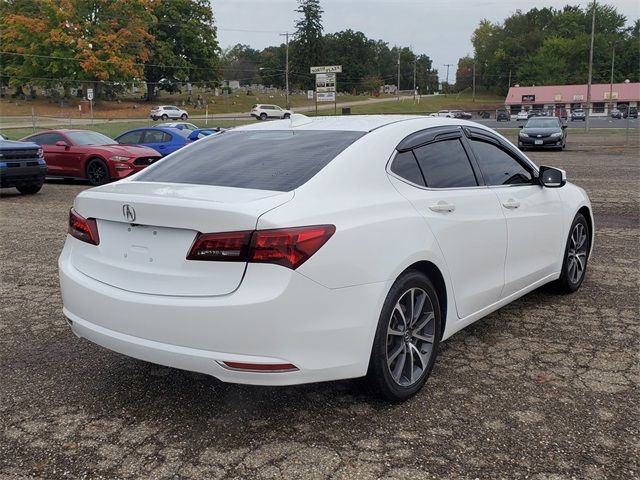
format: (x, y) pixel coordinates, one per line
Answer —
(464, 73)
(272, 64)
(241, 62)
(183, 47)
(72, 41)
(306, 48)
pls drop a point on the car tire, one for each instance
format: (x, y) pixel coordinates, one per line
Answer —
(404, 350)
(184, 116)
(263, 116)
(287, 116)
(29, 189)
(164, 117)
(576, 256)
(97, 172)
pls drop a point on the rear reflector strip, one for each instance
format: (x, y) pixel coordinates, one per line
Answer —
(261, 367)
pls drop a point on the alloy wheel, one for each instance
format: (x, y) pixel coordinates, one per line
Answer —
(410, 337)
(577, 253)
(97, 173)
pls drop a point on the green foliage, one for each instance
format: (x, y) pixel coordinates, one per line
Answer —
(551, 46)
(241, 62)
(307, 48)
(184, 47)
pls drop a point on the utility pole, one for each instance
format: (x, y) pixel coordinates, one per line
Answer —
(509, 78)
(593, 28)
(448, 65)
(613, 62)
(414, 79)
(286, 69)
(474, 81)
(398, 90)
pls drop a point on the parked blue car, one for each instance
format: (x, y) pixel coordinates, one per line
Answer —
(203, 132)
(164, 140)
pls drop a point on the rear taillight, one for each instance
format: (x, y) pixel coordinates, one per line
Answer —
(289, 247)
(83, 229)
(221, 247)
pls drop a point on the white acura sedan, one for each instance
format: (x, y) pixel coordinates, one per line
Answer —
(308, 250)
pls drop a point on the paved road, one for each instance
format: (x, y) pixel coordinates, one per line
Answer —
(546, 388)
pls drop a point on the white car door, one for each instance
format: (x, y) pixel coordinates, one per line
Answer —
(465, 218)
(533, 213)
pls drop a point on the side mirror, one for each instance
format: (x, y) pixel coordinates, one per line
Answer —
(61, 143)
(551, 177)
(520, 127)
(564, 126)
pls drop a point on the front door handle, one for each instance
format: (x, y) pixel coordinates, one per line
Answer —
(511, 203)
(442, 207)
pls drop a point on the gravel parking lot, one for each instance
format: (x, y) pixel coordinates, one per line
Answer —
(545, 388)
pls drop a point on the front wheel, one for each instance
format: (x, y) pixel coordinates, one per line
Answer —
(406, 342)
(287, 115)
(97, 172)
(29, 189)
(576, 255)
(183, 116)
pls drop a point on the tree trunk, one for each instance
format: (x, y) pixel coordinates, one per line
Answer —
(151, 91)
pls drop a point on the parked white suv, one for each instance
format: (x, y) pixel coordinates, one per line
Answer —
(168, 111)
(262, 112)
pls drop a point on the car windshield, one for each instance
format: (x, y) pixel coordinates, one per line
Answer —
(542, 123)
(90, 138)
(280, 160)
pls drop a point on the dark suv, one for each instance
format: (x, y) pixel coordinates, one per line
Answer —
(22, 166)
(503, 116)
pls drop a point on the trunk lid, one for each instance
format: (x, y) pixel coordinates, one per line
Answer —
(146, 231)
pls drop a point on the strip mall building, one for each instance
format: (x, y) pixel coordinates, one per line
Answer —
(570, 97)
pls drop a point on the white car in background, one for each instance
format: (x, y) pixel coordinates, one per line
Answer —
(166, 112)
(523, 115)
(263, 111)
(319, 249)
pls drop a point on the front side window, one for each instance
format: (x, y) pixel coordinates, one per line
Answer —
(47, 139)
(497, 166)
(445, 165)
(155, 136)
(279, 160)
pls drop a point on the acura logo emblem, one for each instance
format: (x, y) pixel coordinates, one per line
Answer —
(129, 213)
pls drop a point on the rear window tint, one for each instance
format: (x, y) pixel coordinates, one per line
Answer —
(279, 160)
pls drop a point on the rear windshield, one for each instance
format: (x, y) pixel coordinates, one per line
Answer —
(279, 160)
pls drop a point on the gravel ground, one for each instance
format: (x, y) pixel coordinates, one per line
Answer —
(546, 388)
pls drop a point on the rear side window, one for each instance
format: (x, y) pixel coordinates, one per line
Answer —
(131, 137)
(279, 160)
(406, 166)
(445, 165)
(497, 166)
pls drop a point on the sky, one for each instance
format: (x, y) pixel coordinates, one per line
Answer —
(441, 29)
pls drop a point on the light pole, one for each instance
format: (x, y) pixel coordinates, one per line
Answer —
(613, 62)
(286, 69)
(447, 65)
(593, 27)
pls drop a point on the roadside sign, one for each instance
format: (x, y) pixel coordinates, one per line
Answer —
(89, 93)
(327, 69)
(309, 94)
(325, 82)
(326, 96)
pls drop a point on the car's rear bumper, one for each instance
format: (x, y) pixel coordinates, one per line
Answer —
(276, 316)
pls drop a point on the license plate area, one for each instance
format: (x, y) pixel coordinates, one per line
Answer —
(538, 142)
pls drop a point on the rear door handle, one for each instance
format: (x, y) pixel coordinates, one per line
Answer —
(442, 207)
(511, 203)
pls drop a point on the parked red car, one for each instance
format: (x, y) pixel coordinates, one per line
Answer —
(90, 155)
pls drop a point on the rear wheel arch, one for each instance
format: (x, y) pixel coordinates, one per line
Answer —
(435, 275)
